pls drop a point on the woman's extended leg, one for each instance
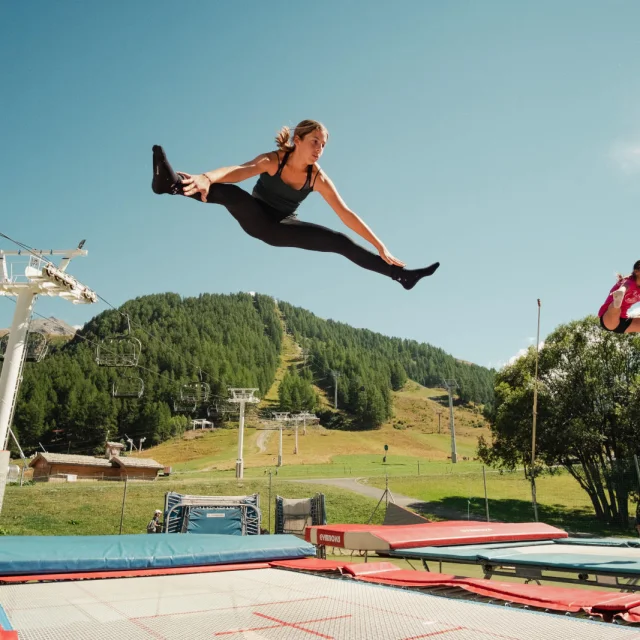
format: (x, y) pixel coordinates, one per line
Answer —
(243, 207)
(165, 179)
(611, 317)
(314, 237)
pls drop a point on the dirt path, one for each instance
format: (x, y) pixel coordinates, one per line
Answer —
(419, 506)
(262, 439)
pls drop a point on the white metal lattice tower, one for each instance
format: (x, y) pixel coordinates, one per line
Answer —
(242, 397)
(450, 385)
(40, 277)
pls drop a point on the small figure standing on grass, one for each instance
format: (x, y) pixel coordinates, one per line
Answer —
(155, 526)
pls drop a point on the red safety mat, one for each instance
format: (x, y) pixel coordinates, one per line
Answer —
(603, 603)
(358, 569)
(633, 615)
(606, 604)
(344, 528)
(430, 534)
(132, 573)
(308, 564)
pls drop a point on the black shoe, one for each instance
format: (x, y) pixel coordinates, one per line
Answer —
(165, 179)
(408, 278)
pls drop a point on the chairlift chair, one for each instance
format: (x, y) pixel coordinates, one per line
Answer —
(120, 350)
(127, 387)
(197, 392)
(37, 346)
(180, 406)
(214, 411)
(35, 350)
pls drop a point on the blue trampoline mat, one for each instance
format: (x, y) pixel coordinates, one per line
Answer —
(28, 555)
(602, 557)
(601, 542)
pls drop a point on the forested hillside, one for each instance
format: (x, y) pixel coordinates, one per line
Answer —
(66, 401)
(370, 365)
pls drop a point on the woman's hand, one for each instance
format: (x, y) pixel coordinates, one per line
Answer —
(388, 258)
(195, 184)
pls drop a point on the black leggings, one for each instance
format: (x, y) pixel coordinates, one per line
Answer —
(265, 223)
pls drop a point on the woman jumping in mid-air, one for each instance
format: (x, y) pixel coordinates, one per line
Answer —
(614, 312)
(287, 177)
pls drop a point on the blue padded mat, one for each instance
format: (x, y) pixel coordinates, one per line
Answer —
(226, 522)
(62, 554)
(601, 542)
(533, 554)
(463, 552)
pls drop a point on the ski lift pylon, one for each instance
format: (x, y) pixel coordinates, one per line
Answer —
(119, 351)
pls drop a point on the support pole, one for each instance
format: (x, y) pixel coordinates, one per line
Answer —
(534, 500)
(13, 360)
(281, 417)
(450, 385)
(486, 497)
(336, 375)
(269, 503)
(38, 279)
(4, 472)
(240, 461)
(124, 502)
(241, 397)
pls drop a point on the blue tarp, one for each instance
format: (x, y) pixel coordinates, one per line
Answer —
(28, 555)
(222, 521)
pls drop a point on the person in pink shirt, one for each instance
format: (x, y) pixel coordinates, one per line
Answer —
(614, 313)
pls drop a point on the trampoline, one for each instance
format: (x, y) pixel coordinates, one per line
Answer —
(174, 586)
(601, 563)
(531, 551)
(269, 604)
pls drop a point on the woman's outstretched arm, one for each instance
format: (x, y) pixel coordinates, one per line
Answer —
(200, 183)
(325, 187)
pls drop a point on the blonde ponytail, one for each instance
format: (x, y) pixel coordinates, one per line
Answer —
(283, 140)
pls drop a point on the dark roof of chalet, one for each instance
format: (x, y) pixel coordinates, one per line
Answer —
(147, 463)
(65, 458)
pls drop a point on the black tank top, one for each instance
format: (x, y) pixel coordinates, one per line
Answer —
(272, 190)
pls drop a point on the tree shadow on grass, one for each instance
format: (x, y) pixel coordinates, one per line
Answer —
(572, 520)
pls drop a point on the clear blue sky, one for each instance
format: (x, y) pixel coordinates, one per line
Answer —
(500, 138)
